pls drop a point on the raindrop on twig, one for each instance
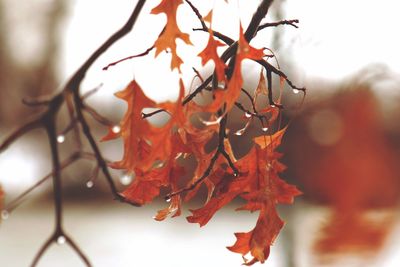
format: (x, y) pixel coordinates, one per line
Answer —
(116, 129)
(60, 139)
(61, 240)
(89, 184)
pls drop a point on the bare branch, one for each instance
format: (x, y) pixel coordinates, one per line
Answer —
(66, 163)
(291, 22)
(27, 127)
(198, 90)
(146, 115)
(97, 116)
(75, 81)
(260, 13)
(42, 250)
(148, 50)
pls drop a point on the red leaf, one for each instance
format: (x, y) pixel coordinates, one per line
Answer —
(231, 94)
(210, 53)
(134, 129)
(167, 38)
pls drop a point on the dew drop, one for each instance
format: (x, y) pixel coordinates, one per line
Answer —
(5, 214)
(209, 123)
(125, 179)
(272, 106)
(221, 85)
(235, 174)
(247, 115)
(116, 129)
(178, 155)
(61, 240)
(239, 132)
(296, 91)
(89, 184)
(60, 139)
(168, 199)
(264, 129)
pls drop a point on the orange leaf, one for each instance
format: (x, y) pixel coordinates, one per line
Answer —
(134, 129)
(167, 38)
(210, 53)
(259, 240)
(231, 94)
(264, 189)
(270, 141)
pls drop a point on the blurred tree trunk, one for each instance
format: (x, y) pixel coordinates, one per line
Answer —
(19, 80)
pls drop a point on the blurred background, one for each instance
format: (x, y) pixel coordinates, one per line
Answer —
(342, 147)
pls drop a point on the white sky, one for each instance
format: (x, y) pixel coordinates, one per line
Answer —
(335, 39)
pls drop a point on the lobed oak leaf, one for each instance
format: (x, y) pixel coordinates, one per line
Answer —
(171, 32)
(146, 186)
(232, 92)
(203, 215)
(210, 53)
(163, 139)
(263, 191)
(259, 240)
(134, 129)
(225, 187)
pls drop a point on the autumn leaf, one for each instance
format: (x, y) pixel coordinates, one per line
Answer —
(261, 187)
(270, 141)
(208, 17)
(263, 192)
(161, 138)
(147, 184)
(134, 129)
(226, 189)
(210, 51)
(167, 39)
(232, 92)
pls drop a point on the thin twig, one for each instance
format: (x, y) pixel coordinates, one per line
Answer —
(27, 127)
(200, 88)
(97, 116)
(146, 115)
(291, 22)
(148, 50)
(66, 163)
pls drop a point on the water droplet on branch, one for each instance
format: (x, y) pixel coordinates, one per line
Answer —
(61, 240)
(126, 179)
(89, 184)
(240, 132)
(247, 115)
(60, 139)
(116, 129)
(296, 91)
(264, 129)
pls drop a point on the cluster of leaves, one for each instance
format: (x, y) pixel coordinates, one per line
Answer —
(155, 154)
